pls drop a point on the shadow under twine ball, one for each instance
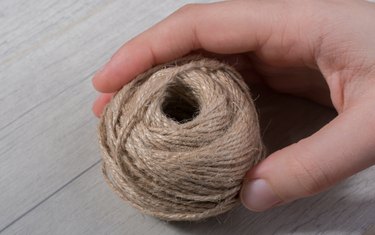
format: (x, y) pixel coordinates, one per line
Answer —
(178, 140)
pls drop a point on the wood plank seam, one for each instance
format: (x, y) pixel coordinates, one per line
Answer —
(50, 196)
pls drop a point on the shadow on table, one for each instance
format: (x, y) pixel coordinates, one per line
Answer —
(285, 120)
(324, 213)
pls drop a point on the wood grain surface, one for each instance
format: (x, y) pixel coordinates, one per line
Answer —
(50, 179)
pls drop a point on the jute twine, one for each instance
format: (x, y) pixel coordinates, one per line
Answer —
(178, 140)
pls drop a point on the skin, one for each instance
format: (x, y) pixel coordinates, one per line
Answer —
(320, 50)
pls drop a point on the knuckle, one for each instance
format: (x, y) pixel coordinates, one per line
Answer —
(310, 175)
(187, 9)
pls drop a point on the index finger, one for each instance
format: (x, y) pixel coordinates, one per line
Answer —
(225, 27)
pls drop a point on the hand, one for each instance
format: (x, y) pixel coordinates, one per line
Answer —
(322, 50)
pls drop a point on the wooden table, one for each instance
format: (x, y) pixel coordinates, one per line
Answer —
(50, 179)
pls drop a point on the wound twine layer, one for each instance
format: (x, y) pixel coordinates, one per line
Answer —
(178, 140)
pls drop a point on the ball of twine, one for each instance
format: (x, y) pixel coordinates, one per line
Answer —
(178, 140)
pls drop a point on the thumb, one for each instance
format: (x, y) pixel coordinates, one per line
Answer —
(340, 149)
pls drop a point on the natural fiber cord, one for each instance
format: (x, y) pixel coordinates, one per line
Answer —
(178, 140)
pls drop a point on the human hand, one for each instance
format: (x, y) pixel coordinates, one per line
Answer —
(321, 50)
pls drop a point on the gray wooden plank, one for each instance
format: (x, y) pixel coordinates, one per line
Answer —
(87, 206)
(48, 53)
(49, 50)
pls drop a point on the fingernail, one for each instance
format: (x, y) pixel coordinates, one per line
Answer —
(257, 195)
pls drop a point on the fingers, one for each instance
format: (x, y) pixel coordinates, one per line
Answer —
(339, 150)
(225, 27)
(100, 103)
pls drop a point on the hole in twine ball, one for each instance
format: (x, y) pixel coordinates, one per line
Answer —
(179, 103)
(178, 140)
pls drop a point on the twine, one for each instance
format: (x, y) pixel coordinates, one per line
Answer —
(178, 140)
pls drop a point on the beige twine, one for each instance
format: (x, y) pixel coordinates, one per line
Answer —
(178, 140)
